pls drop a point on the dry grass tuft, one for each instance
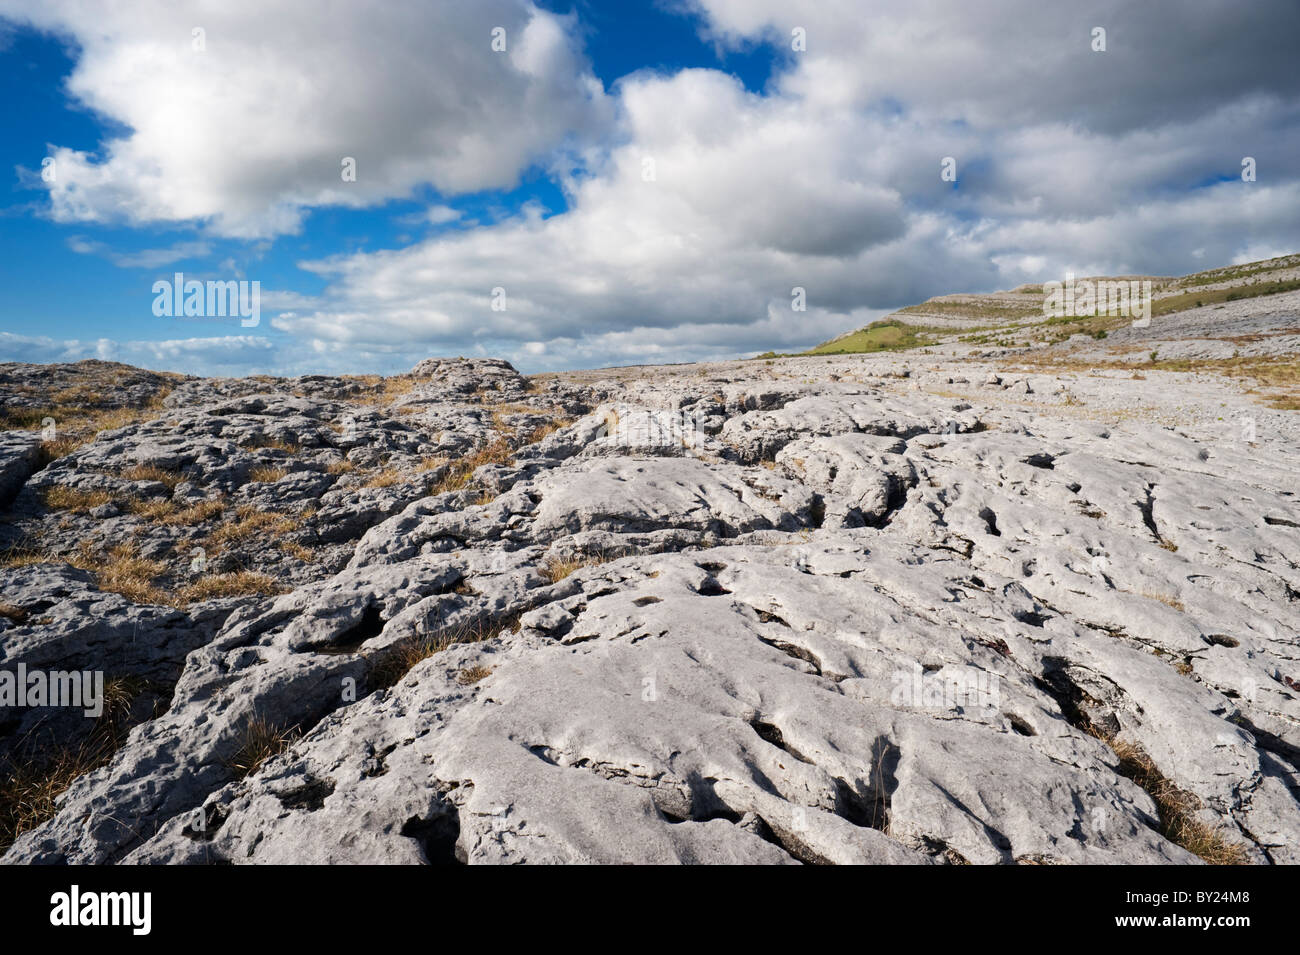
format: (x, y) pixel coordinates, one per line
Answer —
(261, 740)
(54, 449)
(78, 395)
(23, 555)
(296, 550)
(29, 791)
(385, 478)
(151, 472)
(546, 430)
(390, 665)
(30, 787)
(115, 418)
(1177, 807)
(171, 514)
(389, 668)
(268, 474)
(382, 391)
(497, 452)
(26, 419)
(472, 675)
(127, 573)
(263, 443)
(195, 513)
(156, 511)
(13, 612)
(249, 521)
(239, 583)
(394, 387)
(122, 571)
(499, 416)
(1165, 599)
(341, 466)
(75, 424)
(555, 569)
(59, 498)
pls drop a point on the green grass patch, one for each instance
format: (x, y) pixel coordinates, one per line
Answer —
(1235, 273)
(1179, 303)
(884, 335)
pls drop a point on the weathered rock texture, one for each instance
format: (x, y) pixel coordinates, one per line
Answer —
(809, 610)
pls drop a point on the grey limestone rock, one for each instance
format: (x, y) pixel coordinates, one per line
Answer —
(802, 611)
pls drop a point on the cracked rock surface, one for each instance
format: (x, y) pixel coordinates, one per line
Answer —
(832, 610)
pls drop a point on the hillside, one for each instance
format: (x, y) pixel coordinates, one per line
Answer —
(1255, 299)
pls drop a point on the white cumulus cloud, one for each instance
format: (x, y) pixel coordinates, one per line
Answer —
(250, 131)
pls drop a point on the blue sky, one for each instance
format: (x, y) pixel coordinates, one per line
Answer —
(57, 291)
(524, 170)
